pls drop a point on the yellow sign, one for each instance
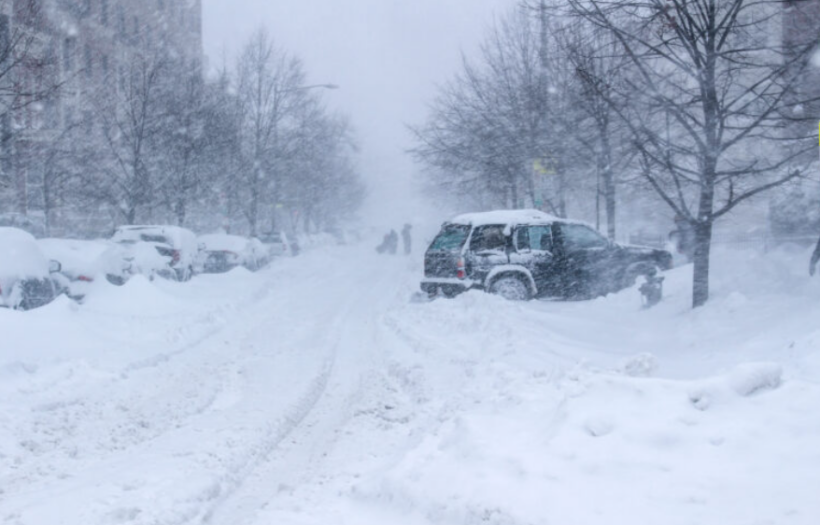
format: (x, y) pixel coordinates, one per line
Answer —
(538, 166)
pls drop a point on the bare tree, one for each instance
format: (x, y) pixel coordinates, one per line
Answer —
(28, 77)
(601, 70)
(133, 119)
(709, 103)
(269, 89)
(324, 186)
(191, 140)
(505, 126)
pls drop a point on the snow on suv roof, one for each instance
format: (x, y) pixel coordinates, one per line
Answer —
(504, 217)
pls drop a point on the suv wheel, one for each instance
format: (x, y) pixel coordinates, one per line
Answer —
(511, 288)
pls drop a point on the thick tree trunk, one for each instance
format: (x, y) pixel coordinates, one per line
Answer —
(703, 246)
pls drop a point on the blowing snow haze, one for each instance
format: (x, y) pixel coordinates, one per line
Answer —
(387, 57)
(411, 262)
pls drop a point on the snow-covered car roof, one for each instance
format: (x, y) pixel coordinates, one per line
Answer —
(504, 217)
(135, 233)
(20, 257)
(223, 242)
(76, 256)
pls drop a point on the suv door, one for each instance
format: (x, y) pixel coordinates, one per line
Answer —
(534, 250)
(488, 248)
(584, 258)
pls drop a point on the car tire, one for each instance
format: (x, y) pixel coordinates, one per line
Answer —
(511, 288)
(116, 280)
(184, 275)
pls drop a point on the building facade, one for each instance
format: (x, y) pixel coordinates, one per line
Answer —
(77, 53)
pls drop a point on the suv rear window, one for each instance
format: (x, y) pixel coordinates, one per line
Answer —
(488, 238)
(451, 238)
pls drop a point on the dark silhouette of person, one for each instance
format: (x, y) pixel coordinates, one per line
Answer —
(384, 245)
(405, 237)
(393, 242)
(815, 257)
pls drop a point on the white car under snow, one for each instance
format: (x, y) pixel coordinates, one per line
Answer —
(220, 253)
(25, 272)
(165, 251)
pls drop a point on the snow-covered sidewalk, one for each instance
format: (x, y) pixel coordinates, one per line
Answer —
(315, 392)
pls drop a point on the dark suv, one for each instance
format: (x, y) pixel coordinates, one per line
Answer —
(525, 253)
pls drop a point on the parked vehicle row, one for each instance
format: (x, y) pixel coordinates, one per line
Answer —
(34, 272)
(524, 254)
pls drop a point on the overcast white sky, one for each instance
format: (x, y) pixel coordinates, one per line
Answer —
(387, 56)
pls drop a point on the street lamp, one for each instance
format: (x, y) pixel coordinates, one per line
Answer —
(306, 88)
(325, 86)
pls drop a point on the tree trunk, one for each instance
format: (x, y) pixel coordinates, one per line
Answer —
(703, 245)
(609, 183)
(131, 215)
(181, 212)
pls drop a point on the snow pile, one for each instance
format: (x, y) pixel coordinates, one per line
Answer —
(77, 258)
(315, 393)
(21, 258)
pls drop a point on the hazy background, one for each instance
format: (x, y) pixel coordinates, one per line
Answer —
(387, 56)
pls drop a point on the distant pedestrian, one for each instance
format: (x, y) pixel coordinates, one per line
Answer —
(393, 242)
(405, 237)
(815, 257)
(385, 245)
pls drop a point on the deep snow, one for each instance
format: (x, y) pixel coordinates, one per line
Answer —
(316, 392)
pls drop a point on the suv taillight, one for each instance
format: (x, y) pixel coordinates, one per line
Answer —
(460, 273)
(175, 256)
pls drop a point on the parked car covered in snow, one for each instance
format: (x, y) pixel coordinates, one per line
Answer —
(278, 244)
(25, 272)
(82, 263)
(522, 254)
(169, 252)
(219, 253)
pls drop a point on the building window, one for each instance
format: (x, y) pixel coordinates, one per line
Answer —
(69, 117)
(68, 54)
(52, 114)
(123, 82)
(88, 123)
(89, 62)
(104, 12)
(4, 32)
(104, 66)
(121, 27)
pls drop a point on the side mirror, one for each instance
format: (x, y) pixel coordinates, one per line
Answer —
(54, 267)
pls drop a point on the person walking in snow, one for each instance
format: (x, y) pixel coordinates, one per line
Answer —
(815, 257)
(405, 237)
(393, 242)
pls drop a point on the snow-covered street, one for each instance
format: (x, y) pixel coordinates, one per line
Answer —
(316, 392)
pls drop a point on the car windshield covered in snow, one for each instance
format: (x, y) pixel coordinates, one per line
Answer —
(451, 238)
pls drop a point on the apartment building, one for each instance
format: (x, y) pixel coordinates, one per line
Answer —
(801, 27)
(84, 49)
